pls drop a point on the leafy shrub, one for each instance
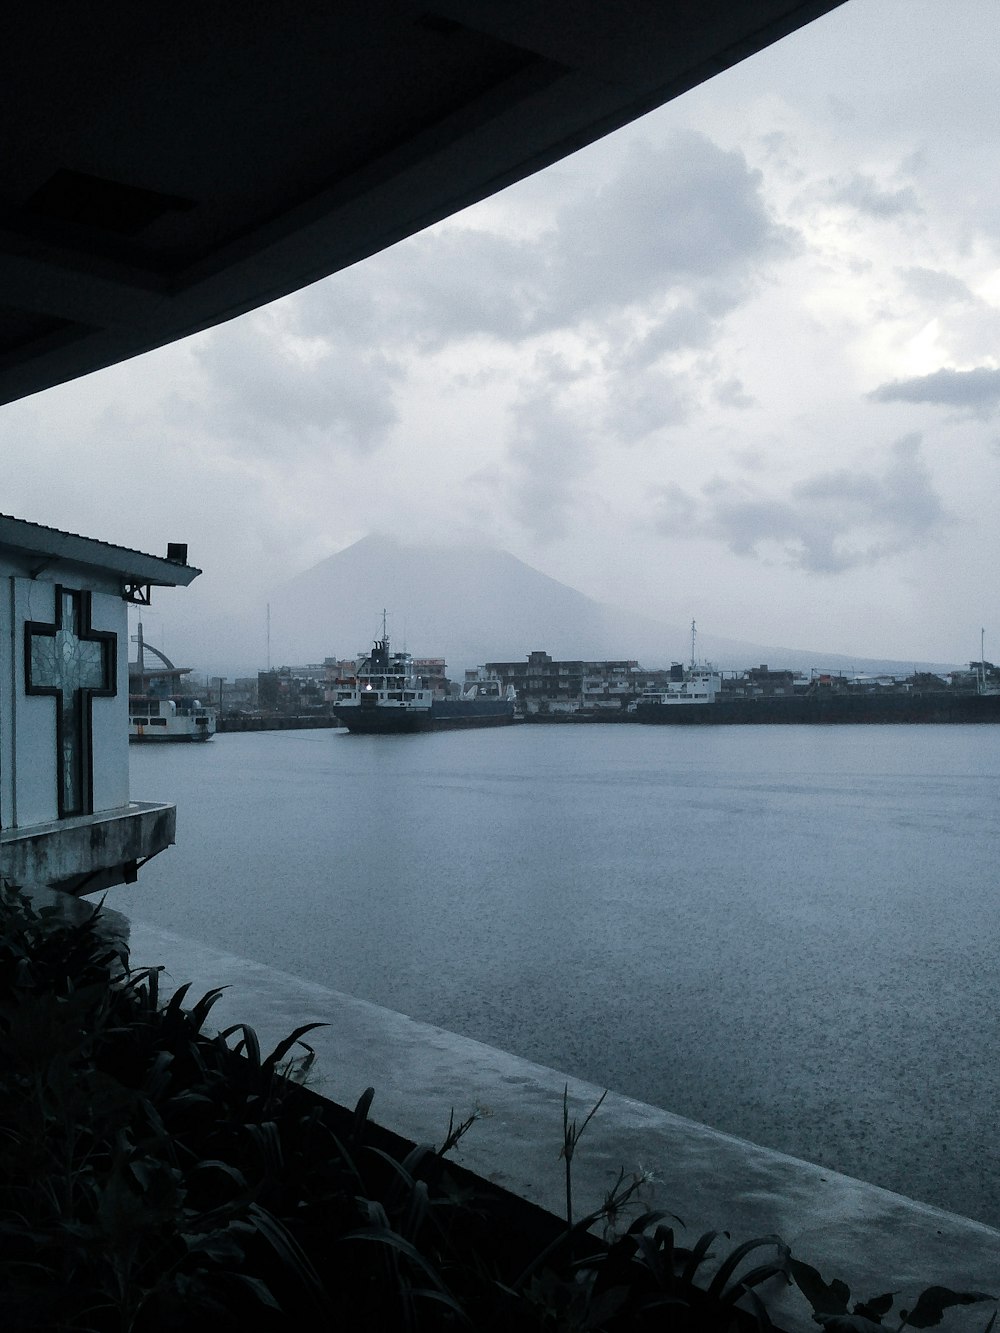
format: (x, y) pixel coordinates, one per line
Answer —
(156, 1176)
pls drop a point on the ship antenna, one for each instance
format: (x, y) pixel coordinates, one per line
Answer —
(140, 657)
(269, 636)
(694, 635)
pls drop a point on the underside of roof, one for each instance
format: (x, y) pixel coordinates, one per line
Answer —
(167, 167)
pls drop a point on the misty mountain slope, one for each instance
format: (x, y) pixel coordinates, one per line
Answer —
(466, 603)
(472, 604)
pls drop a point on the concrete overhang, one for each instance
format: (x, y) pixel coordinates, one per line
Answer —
(169, 167)
(113, 843)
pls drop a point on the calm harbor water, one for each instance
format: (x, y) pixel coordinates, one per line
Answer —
(790, 933)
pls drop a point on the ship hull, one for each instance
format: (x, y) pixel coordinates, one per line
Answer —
(142, 736)
(450, 714)
(443, 715)
(832, 709)
(164, 721)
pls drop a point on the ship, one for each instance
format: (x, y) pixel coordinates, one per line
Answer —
(388, 695)
(158, 709)
(818, 705)
(697, 695)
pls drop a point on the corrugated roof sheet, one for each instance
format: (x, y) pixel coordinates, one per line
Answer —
(57, 545)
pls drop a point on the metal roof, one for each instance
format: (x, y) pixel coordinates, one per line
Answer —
(51, 547)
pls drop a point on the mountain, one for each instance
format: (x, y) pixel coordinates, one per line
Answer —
(473, 604)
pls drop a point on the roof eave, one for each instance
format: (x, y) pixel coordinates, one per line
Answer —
(54, 547)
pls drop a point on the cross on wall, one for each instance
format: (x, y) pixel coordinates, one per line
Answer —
(74, 664)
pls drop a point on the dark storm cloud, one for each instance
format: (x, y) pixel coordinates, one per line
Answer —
(977, 391)
(681, 328)
(642, 404)
(548, 452)
(681, 232)
(686, 215)
(261, 391)
(436, 288)
(866, 195)
(929, 284)
(731, 393)
(647, 265)
(827, 524)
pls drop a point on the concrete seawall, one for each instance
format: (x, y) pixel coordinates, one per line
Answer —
(873, 1239)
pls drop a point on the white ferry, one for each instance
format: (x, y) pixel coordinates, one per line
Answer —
(694, 688)
(157, 709)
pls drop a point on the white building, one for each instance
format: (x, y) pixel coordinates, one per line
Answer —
(66, 817)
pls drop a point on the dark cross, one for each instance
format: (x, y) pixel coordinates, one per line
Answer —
(74, 664)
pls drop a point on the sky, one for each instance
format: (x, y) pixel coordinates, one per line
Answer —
(738, 362)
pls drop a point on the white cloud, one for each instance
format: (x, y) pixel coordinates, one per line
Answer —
(828, 523)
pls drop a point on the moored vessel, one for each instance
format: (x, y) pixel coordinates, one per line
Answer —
(824, 706)
(387, 695)
(158, 709)
(699, 695)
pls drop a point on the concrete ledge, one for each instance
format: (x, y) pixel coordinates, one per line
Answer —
(111, 844)
(873, 1239)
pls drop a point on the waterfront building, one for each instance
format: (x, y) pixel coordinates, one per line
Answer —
(291, 689)
(67, 819)
(542, 679)
(433, 671)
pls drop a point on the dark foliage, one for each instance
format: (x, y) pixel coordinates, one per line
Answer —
(157, 1176)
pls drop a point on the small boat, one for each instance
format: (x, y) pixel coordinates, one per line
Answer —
(690, 689)
(387, 695)
(158, 710)
(696, 686)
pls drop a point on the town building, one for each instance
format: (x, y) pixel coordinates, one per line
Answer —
(543, 680)
(759, 681)
(67, 819)
(433, 671)
(291, 689)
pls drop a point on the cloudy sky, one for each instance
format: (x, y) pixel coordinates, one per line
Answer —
(738, 362)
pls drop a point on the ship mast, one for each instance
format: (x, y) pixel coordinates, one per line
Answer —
(694, 635)
(982, 661)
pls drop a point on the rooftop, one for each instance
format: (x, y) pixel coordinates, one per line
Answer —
(52, 546)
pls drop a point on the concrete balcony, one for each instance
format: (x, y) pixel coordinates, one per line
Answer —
(87, 853)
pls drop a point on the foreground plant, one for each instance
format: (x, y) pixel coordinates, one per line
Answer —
(831, 1306)
(156, 1176)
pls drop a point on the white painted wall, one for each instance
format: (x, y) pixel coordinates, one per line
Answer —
(34, 771)
(28, 769)
(6, 693)
(111, 715)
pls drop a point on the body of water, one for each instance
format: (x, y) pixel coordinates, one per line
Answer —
(790, 933)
